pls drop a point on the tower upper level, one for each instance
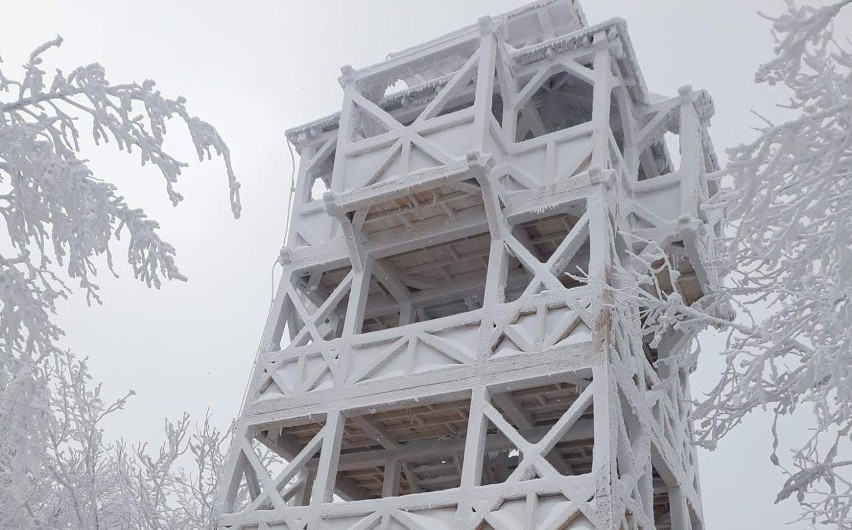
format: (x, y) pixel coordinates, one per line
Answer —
(515, 93)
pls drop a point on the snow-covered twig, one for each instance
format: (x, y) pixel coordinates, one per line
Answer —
(62, 221)
(789, 253)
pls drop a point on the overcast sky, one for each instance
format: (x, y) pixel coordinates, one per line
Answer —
(255, 68)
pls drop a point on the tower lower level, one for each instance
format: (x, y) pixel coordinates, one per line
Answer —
(447, 348)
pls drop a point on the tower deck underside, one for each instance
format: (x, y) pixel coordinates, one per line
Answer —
(446, 348)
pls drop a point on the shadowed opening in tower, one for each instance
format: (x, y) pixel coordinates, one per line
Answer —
(314, 309)
(402, 449)
(436, 281)
(538, 429)
(662, 501)
(555, 241)
(277, 467)
(562, 101)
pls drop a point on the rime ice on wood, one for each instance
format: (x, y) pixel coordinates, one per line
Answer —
(443, 350)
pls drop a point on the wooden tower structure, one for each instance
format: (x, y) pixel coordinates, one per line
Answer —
(444, 350)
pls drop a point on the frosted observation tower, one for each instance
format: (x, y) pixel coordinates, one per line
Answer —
(444, 350)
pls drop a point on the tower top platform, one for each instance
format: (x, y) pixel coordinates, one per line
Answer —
(528, 24)
(531, 32)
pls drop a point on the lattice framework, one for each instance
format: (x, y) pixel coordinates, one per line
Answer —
(445, 349)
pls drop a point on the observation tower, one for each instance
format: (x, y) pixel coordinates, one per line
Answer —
(446, 348)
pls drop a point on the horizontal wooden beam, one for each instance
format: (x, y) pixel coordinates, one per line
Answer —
(453, 382)
(426, 179)
(425, 449)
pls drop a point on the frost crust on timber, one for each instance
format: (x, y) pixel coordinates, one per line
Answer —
(448, 346)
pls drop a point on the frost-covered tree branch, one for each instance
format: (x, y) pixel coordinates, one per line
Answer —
(789, 258)
(163, 494)
(62, 223)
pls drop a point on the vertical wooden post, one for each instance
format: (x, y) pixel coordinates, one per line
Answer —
(347, 121)
(390, 482)
(691, 154)
(303, 496)
(474, 448)
(679, 510)
(631, 153)
(354, 316)
(605, 450)
(484, 82)
(601, 101)
(329, 455)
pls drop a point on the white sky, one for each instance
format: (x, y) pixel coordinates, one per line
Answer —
(255, 68)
